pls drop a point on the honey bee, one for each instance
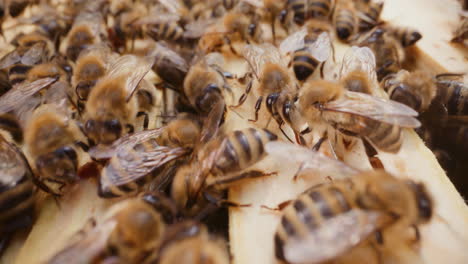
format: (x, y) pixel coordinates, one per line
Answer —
(345, 19)
(405, 35)
(461, 33)
(205, 83)
(110, 104)
(190, 242)
(87, 29)
(357, 71)
(51, 140)
(33, 49)
(130, 232)
(218, 163)
(91, 65)
(415, 89)
(375, 119)
(17, 189)
(389, 52)
(369, 14)
(245, 26)
(170, 66)
(306, 9)
(308, 53)
(350, 211)
(120, 177)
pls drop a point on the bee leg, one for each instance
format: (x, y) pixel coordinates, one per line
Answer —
(130, 128)
(278, 207)
(321, 69)
(258, 105)
(145, 120)
(280, 125)
(223, 181)
(219, 202)
(244, 95)
(273, 29)
(298, 172)
(319, 143)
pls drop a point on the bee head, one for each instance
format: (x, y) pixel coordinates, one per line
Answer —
(58, 168)
(105, 131)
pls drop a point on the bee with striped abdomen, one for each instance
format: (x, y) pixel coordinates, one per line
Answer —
(355, 209)
(369, 14)
(218, 163)
(32, 49)
(375, 119)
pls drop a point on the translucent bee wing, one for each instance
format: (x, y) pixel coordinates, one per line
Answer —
(359, 59)
(9, 59)
(334, 237)
(212, 122)
(173, 6)
(255, 3)
(154, 20)
(322, 47)
(311, 161)
(87, 249)
(259, 55)
(293, 42)
(133, 164)
(12, 164)
(34, 54)
(375, 108)
(21, 92)
(126, 141)
(196, 29)
(132, 69)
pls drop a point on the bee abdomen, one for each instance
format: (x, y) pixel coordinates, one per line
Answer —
(457, 99)
(243, 148)
(16, 205)
(385, 136)
(345, 23)
(10, 124)
(167, 31)
(319, 8)
(17, 73)
(304, 65)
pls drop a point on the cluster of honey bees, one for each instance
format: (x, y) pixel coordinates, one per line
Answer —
(136, 94)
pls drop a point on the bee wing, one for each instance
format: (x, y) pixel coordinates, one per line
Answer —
(173, 6)
(9, 59)
(134, 164)
(34, 54)
(133, 69)
(359, 59)
(258, 55)
(376, 108)
(255, 3)
(196, 29)
(87, 249)
(335, 236)
(129, 140)
(154, 20)
(212, 122)
(293, 42)
(21, 92)
(311, 160)
(322, 47)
